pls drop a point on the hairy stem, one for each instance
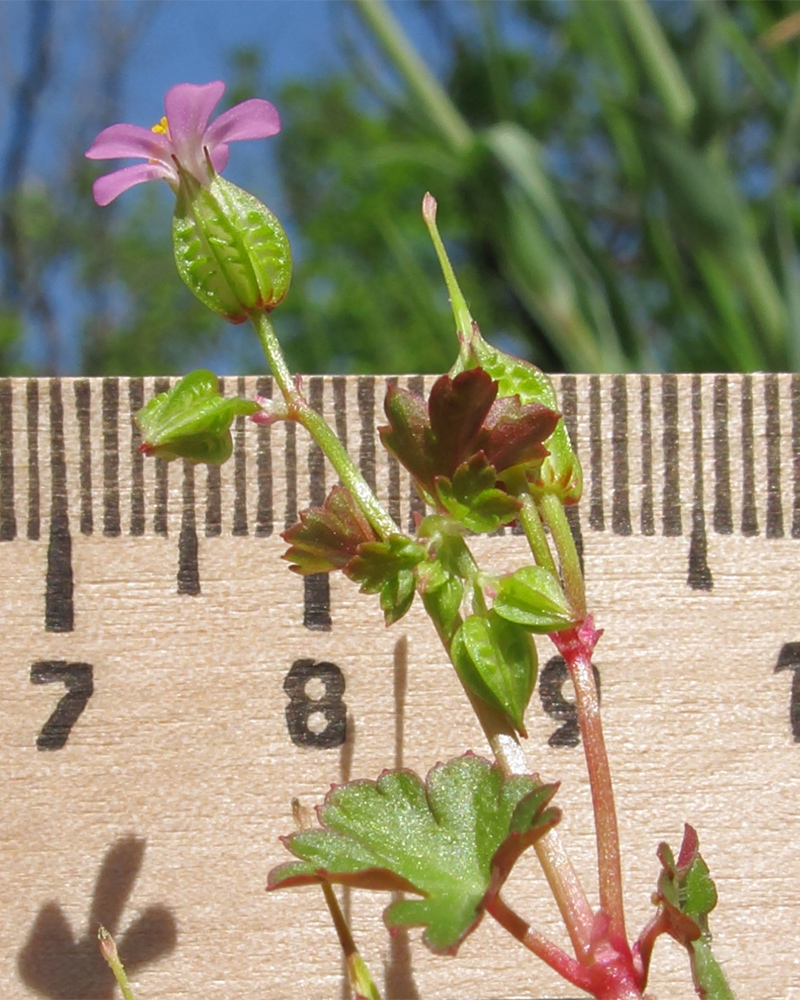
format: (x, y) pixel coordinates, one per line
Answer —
(301, 411)
(556, 520)
(575, 645)
(569, 968)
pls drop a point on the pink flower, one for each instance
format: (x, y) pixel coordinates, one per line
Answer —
(182, 139)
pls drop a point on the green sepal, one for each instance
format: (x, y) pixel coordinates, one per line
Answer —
(230, 250)
(192, 420)
(387, 568)
(533, 597)
(328, 537)
(452, 840)
(361, 978)
(496, 660)
(473, 498)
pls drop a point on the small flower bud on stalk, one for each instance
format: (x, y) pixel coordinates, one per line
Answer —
(108, 949)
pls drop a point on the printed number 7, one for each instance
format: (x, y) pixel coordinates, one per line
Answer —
(77, 678)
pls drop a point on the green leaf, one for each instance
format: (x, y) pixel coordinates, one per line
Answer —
(496, 660)
(192, 420)
(230, 250)
(328, 537)
(387, 568)
(533, 597)
(452, 840)
(473, 498)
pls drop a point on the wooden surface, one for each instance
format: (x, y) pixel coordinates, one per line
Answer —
(160, 813)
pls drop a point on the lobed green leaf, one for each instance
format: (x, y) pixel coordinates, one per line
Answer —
(452, 840)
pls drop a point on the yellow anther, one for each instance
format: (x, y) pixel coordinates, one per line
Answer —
(161, 127)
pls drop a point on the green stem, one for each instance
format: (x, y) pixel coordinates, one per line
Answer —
(710, 980)
(534, 532)
(361, 980)
(572, 574)
(301, 411)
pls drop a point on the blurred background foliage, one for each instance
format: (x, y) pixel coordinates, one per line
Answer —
(617, 186)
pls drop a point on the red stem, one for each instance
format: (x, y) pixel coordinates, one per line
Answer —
(576, 646)
(563, 964)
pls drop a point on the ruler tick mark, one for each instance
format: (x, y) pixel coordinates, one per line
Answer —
(188, 560)
(795, 391)
(32, 413)
(393, 467)
(59, 613)
(774, 526)
(264, 513)
(213, 518)
(8, 520)
(136, 400)
(699, 576)
(749, 516)
(620, 509)
(646, 517)
(723, 515)
(596, 514)
(83, 397)
(239, 471)
(671, 501)
(111, 518)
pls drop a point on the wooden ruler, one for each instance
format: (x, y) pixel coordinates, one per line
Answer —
(168, 686)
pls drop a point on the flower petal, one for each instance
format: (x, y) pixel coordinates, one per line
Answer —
(253, 119)
(219, 157)
(105, 189)
(188, 108)
(118, 141)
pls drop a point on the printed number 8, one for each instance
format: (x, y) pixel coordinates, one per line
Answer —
(301, 707)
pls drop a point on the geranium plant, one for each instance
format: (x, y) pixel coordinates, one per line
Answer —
(486, 449)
